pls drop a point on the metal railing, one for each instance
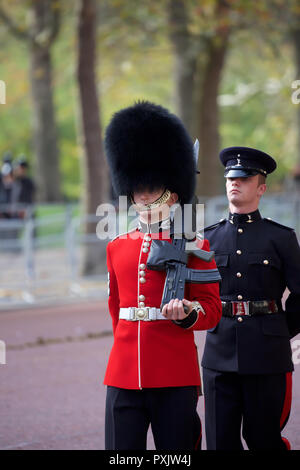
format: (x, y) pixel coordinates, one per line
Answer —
(41, 257)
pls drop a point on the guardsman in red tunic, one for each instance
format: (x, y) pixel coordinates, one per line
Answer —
(153, 375)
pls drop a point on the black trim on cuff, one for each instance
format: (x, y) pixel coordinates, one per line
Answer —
(187, 322)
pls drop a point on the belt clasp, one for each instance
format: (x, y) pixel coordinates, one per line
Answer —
(141, 313)
(240, 308)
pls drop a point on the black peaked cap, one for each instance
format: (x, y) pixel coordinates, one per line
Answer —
(241, 162)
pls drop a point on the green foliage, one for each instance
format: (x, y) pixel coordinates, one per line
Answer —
(15, 134)
(136, 62)
(262, 115)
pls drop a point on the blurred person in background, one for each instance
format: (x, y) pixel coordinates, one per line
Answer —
(7, 194)
(24, 187)
(6, 190)
(16, 195)
(6, 180)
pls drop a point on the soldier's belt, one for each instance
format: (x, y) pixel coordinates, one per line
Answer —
(253, 307)
(141, 313)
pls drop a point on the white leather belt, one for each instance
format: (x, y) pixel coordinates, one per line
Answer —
(141, 313)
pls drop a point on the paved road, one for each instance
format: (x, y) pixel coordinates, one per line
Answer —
(51, 389)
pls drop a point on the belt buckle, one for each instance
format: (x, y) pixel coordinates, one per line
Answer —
(141, 313)
(273, 306)
(240, 308)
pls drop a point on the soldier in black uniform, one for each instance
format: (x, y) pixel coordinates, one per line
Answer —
(247, 361)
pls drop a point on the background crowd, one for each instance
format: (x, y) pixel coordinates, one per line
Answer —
(17, 189)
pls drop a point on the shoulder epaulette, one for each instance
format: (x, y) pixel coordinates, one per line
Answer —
(222, 221)
(278, 224)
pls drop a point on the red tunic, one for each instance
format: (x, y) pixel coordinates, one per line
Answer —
(155, 353)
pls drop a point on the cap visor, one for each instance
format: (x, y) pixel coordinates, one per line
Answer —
(239, 173)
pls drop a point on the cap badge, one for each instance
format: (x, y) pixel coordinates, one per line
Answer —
(238, 162)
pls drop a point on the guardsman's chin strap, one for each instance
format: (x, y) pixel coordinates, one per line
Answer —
(153, 205)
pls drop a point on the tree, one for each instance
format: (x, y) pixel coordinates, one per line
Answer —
(282, 25)
(200, 45)
(95, 184)
(40, 35)
(295, 39)
(209, 182)
(186, 52)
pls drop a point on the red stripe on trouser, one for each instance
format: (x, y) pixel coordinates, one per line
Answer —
(286, 407)
(199, 438)
(286, 443)
(287, 400)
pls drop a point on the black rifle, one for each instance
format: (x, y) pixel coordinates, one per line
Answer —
(173, 258)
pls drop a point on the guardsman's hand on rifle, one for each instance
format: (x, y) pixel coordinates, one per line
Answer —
(174, 309)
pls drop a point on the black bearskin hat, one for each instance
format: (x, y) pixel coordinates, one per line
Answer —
(147, 146)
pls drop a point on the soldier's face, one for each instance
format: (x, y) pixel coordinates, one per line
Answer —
(144, 197)
(244, 191)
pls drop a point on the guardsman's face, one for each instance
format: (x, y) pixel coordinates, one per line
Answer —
(146, 196)
(243, 191)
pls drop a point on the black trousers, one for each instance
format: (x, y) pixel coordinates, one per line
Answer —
(171, 412)
(259, 405)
